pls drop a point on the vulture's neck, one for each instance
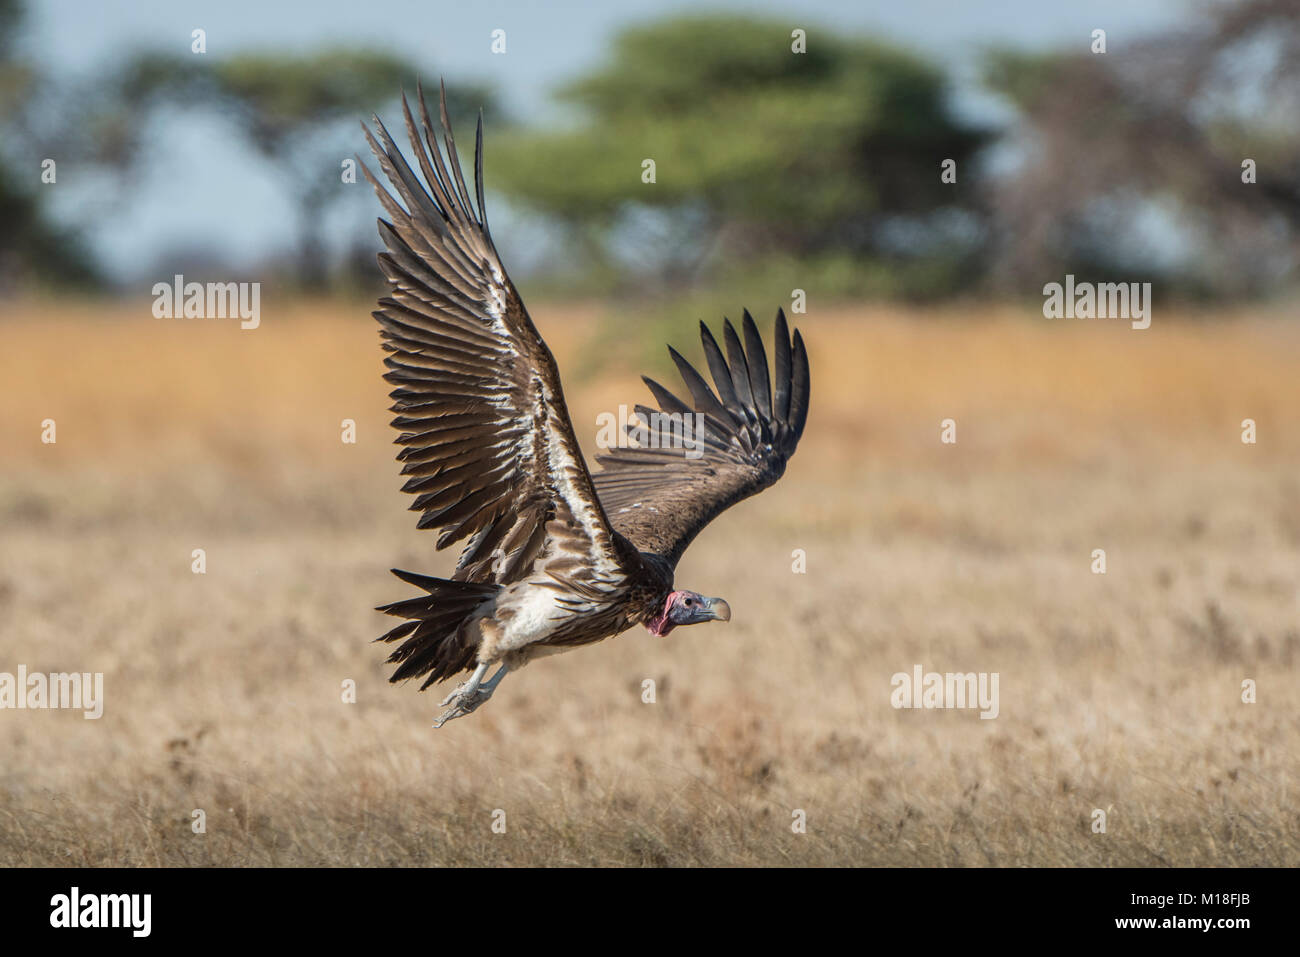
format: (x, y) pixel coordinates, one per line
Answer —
(654, 584)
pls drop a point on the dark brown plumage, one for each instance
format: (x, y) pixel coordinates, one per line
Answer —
(554, 557)
(660, 499)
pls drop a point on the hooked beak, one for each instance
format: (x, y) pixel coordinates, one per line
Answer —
(719, 610)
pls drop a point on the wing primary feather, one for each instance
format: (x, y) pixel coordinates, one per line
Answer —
(421, 152)
(442, 186)
(705, 400)
(781, 371)
(799, 387)
(418, 202)
(452, 157)
(667, 401)
(756, 364)
(478, 177)
(739, 370)
(721, 374)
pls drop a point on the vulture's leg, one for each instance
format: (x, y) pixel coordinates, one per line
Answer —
(470, 694)
(464, 698)
(490, 685)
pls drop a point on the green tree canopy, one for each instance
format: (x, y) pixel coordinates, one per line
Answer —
(757, 148)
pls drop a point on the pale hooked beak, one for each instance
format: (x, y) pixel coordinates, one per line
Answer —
(719, 610)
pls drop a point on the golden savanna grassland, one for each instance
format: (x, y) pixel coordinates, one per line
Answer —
(1120, 692)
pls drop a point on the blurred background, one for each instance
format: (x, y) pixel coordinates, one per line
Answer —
(822, 166)
(776, 172)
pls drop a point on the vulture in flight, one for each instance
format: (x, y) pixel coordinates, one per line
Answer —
(554, 555)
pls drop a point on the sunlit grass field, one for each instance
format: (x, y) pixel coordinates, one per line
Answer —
(1119, 692)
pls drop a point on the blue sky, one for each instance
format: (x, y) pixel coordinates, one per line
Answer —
(203, 186)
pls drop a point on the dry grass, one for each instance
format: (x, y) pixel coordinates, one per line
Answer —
(1119, 691)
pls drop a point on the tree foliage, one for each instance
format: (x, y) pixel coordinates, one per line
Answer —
(299, 112)
(33, 249)
(757, 149)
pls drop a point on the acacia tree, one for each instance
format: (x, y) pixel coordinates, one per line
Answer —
(757, 149)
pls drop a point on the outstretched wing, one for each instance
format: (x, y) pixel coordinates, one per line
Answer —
(695, 459)
(487, 444)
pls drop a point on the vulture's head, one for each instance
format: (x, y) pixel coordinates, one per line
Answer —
(686, 608)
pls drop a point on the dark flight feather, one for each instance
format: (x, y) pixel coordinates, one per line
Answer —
(476, 385)
(660, 498)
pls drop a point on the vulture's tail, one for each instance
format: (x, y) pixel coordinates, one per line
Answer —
(437, 642)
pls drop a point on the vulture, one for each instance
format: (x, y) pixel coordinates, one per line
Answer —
(554, 556)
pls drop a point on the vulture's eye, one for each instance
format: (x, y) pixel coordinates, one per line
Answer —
(689, 602)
